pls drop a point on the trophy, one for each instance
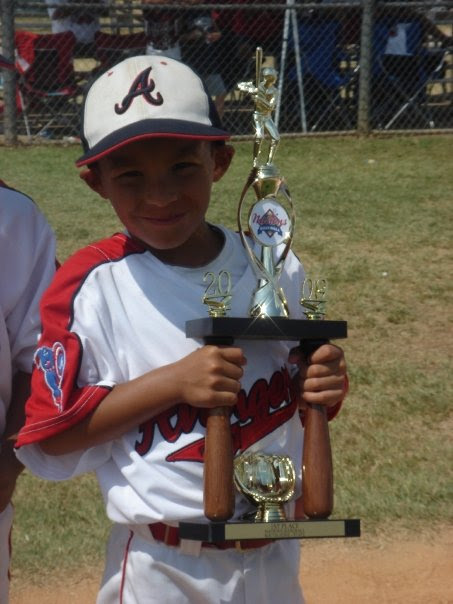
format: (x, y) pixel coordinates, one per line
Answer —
(266, 227)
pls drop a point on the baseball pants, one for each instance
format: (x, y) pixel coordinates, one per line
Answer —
(140, 570)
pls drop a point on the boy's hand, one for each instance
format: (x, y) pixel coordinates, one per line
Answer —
(210, 376)
(322, 376)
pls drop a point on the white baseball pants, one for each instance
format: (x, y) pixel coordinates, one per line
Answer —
(140, 570)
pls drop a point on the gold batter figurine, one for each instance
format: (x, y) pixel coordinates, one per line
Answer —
(264, 94)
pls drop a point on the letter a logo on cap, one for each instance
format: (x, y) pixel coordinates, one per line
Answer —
(142, 85)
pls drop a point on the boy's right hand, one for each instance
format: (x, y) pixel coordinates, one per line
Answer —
(210, 376)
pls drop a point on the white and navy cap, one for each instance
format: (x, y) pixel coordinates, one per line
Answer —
(143, 97)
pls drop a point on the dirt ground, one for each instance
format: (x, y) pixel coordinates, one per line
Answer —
(384, 570)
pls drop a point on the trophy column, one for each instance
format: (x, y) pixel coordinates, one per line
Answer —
(218, 484)
(218, 466)
(317, 470)
(218, 458)
(317, 467)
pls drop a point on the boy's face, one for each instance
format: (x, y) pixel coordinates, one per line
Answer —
(160, 190)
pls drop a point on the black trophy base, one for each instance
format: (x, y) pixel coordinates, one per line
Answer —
(212, 532)
(270, 328)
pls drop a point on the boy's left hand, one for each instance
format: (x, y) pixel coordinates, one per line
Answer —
(322, 375)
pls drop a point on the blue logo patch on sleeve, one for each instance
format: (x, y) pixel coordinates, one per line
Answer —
(52, 362)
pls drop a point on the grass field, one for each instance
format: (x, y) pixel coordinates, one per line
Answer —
(375, 217)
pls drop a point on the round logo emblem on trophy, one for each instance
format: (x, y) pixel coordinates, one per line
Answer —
(269, 222)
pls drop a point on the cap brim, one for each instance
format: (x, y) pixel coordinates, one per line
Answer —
(151, 128)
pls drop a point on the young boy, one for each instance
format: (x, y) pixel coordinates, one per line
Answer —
(27, 253)
(120, 390)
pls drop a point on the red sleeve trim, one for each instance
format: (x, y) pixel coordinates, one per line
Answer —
(89, 398)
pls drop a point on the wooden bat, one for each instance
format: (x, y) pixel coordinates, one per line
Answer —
(218, 466)
(317, 468)
(218, 459)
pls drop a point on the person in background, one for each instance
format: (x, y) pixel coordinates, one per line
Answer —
(192, 37)
(204, 50)
(83, 21)
(258, 27)
(403, 57)
(27, 252)
(164, 27)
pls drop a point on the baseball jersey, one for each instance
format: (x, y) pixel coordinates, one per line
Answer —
(27, 253)
(114, 312)
(27, 256)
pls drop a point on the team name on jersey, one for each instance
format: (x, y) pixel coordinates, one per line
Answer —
(259, 412)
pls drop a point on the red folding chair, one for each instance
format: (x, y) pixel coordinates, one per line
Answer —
(20, 105)
(46, 78)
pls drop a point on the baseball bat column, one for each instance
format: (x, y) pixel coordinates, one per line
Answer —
(317, 473)
(218, 482)
(218, 466)
(317, 467)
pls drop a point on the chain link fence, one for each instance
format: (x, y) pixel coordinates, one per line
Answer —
(343, 66)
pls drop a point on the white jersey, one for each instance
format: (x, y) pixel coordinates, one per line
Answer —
(27, 257)
(115, 312)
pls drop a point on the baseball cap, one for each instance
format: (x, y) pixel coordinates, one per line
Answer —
(143, 97)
